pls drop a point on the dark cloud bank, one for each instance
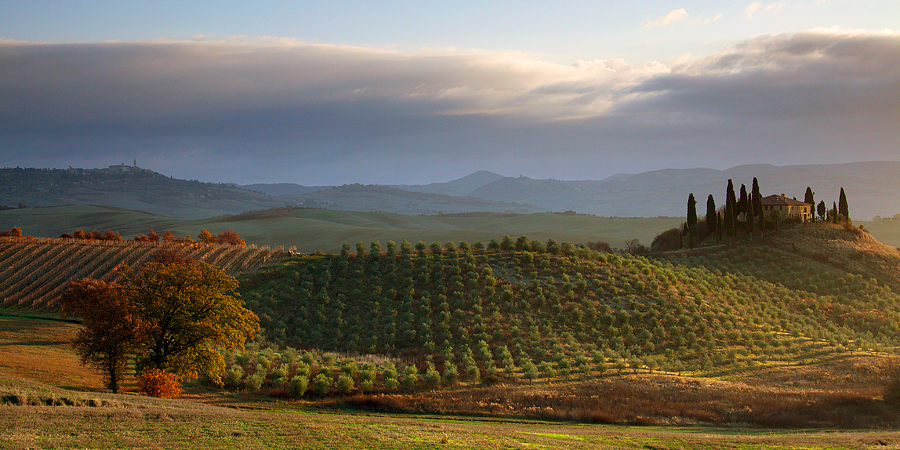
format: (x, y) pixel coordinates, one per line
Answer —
(269, 110)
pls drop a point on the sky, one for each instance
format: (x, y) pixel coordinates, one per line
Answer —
(327, 93)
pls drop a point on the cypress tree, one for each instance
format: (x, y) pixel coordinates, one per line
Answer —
(691, 217)
(730, 209)
(834, 212)
(719, 227)
(743, 205)
(810, 198)
(842, 205)
(711, 222)
(756, 199)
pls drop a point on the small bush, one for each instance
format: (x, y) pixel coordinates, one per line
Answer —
(298, 385)
(451, 375)
(234, 376)
(159, 383)
(345, 384)
(254, 382)
(322, 384)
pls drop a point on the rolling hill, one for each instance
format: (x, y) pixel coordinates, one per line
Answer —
(310, 230)
(730, 303)
(431, 330)
(129, 188)
(36, 271)
(870, 187)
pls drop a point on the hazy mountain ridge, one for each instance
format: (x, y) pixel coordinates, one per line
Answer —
(871, 189)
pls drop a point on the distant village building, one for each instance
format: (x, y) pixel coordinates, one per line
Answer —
(121, 168)
(787, 207)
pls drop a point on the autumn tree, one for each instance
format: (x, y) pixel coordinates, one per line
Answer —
(111, 327)
(14, 232)
(230, 237)
(149, 237)
(206, 237)
(189, 310)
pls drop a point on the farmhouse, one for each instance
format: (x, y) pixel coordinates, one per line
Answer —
(787, 208)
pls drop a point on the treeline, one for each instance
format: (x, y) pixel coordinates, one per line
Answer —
(743, 215)
(228, 237)
(14, 232)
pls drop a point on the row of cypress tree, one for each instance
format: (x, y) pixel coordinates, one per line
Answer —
(747, 211)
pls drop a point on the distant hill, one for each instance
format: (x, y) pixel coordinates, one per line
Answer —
(282, 189)
(871, 188)
(320, 229)
(462, 187)
(357, 197)
(127, 187)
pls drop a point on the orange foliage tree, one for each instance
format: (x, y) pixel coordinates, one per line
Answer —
(111, 328)
(230, 237)
(173, 314)
(206, 237)
(191, 309)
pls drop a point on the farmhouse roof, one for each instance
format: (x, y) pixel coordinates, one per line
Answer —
(781, 200)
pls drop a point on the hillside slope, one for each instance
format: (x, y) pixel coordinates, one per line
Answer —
(35, 271)
(562, 307)
(127, 187)
(310, 230)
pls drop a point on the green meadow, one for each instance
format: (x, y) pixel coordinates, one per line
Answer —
(311, 230)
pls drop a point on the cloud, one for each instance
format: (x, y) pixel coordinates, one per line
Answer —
(269, 109)
(674, 16)
(751, 9)
(756, 6)
(706, 20)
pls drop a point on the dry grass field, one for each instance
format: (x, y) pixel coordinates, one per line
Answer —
(37, 350)
(47, 400)
(174, 424)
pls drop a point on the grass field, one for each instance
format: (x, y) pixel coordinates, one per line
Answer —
(822, 391)
(168, 425)
(318, 229)
(64, 409)
(36, 349)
